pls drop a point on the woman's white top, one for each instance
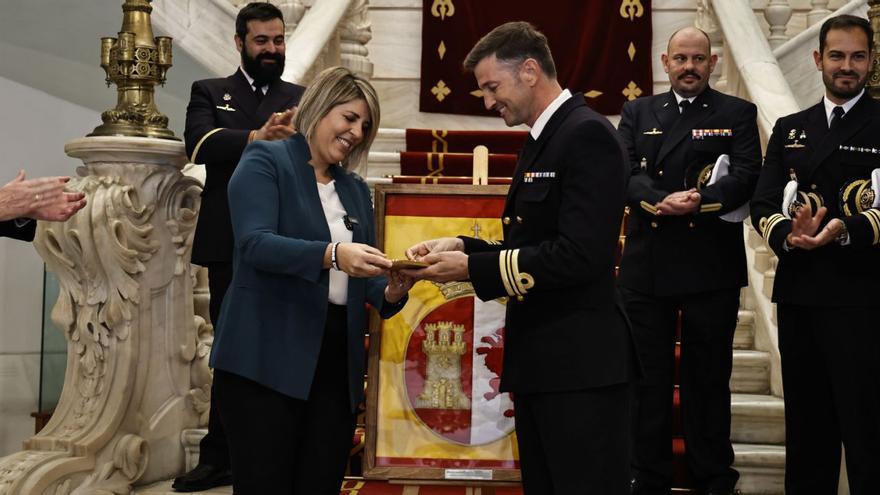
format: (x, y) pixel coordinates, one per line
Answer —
(334, 213)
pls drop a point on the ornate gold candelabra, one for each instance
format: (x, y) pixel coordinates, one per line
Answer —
(136, 62)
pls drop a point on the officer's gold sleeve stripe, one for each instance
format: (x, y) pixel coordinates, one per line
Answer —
(873, 217)
(771, 224)
(876, 225)
(517, 282)
(512, 256)
(648, 207)
(504, 268)
(199, 144)
(710, 207)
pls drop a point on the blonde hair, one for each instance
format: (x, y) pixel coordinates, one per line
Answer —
(336, 86)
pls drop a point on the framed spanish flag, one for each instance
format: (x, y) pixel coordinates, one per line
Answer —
(434, 410)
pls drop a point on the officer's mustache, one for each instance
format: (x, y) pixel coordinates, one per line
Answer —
(277, 57)
(846, 73)
(689, 73)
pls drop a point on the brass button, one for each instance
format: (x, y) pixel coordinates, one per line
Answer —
(518, 219)
(660, 173)
(654, 225)
(691, 225)
(506, 220)
(520, 298)
(814, 187)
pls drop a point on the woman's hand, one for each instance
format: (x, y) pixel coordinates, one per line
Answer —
(361, 260)
(398, 285)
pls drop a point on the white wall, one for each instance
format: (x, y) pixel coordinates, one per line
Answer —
(33, 131)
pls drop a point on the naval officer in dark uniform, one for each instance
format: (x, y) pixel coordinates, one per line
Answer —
(684, 253)
(816, 206)
(568, 355)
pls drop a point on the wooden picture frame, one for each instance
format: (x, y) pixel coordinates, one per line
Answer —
(421, 428)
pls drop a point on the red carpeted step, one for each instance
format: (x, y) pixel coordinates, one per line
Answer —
(453, 164)
(443, 141)
(421, 179)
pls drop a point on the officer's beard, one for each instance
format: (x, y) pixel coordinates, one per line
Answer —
(842, 91)
(263, 74)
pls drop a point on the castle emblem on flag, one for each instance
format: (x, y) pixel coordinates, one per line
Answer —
(453, 366)
(443, 348)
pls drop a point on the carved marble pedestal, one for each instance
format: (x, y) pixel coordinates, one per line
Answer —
(135, 368)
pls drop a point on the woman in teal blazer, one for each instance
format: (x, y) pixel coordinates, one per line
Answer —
(289, 348)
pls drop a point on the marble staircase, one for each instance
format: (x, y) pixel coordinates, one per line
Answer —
(757, 416)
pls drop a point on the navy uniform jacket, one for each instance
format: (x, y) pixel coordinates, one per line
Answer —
(272, 318)
(220, 115)
(22, 233)
(565, 329)
(831, 165)
(679, 255)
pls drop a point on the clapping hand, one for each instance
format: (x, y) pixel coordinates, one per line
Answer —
(41, 199)
(679, 203)
(804, 226)
(279, 126)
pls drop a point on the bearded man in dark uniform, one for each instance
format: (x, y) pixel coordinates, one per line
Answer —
(817, 206)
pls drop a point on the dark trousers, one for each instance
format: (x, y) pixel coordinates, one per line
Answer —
(708, 321)
(574, 442)
(831, 378)
(281, 445)
(213, 448)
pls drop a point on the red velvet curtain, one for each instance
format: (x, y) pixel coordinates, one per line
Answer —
(601, 48)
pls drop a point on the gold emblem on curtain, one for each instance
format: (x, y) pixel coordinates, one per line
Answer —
(630, 9)
(632, 91)
(442, 9)
(441, 90)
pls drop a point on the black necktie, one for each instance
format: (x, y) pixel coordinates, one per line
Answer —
(258, 92)
(836, 115)
(684, 105)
